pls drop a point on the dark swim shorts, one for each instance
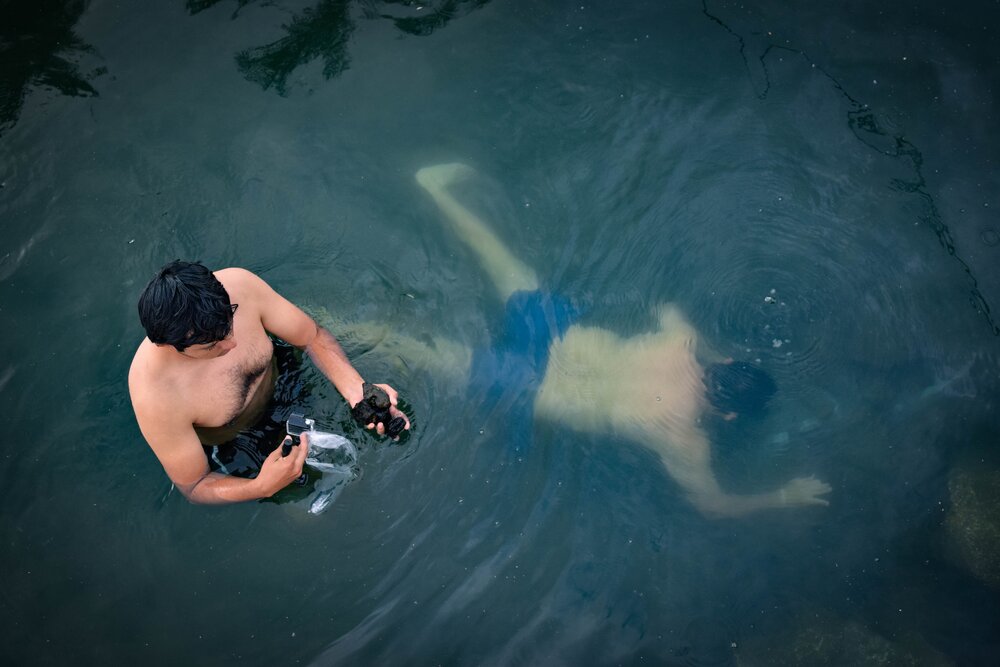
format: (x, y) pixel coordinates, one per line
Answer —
(506, 375)
(244, 455)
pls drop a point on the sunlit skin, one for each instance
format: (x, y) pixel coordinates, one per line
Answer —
(647, 387)
(205, 386)
(219, 348)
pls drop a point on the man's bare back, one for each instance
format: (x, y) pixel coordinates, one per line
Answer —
(653, 380)
(649, 388)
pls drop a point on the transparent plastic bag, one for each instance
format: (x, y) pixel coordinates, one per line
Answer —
(335, 458)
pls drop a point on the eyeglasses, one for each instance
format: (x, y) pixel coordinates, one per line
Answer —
(232, 317)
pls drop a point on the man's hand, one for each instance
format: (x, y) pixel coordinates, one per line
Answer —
(279, 471)
(804, 491)
(393, 410)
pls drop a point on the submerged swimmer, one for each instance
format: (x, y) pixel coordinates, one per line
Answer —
(207, 368)
(652, 388)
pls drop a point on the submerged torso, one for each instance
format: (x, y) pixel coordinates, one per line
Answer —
(597, 381)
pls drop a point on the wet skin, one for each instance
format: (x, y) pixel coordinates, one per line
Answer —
(213, 385)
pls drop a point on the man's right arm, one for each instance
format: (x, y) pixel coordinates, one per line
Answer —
(686, 456)
(183, 458)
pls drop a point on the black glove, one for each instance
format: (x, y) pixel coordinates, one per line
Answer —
(374, 408)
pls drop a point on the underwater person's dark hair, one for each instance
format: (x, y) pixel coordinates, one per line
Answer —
(739, 387)
(184, 305)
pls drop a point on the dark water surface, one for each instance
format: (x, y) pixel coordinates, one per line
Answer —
(841, 161)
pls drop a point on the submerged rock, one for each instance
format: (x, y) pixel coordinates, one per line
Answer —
(973, 524)
(826, 640)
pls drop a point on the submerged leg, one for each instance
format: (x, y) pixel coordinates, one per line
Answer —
(441, 357)
(508, 273)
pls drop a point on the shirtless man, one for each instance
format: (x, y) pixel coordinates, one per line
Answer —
(206, 369)
(651, 388)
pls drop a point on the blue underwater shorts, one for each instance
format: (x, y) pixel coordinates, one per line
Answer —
(505, 376)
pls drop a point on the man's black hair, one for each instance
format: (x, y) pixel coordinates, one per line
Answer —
(739, 387)
(185, 305)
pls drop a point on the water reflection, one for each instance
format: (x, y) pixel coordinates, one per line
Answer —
(195, 6)
(324, 30)
(874, 132)
(436, 17)
(38, 48)
(318, 32)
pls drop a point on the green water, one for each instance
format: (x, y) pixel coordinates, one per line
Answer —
(634, 153)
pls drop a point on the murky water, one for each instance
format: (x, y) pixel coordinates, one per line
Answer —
(815, 189)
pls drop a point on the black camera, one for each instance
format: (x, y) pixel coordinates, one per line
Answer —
(296, 425)
(373, 408)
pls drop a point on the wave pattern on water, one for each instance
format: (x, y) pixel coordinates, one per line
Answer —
(879, 134)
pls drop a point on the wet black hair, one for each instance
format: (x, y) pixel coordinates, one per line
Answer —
(184, 305)
(739, 387)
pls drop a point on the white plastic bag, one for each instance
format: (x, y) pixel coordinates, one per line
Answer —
(336, 458)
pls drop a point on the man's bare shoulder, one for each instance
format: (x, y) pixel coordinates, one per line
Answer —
(237, 278)
(150, 385)
(673, 321)
(243, 286)
(143, 366)
(233, 273)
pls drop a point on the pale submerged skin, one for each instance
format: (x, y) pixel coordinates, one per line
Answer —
(648, 388)
(207, 386)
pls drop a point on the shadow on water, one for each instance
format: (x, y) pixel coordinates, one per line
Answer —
(38, 48)
(324, 31)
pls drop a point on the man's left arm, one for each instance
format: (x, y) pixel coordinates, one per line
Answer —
(287, 321)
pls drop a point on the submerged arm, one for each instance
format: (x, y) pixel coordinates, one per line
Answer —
(687, 459)
(287, 321)
(439, 356)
